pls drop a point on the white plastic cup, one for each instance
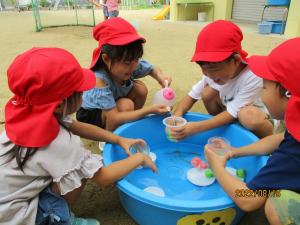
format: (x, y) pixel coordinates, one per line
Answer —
(173, 122)
(215, 145)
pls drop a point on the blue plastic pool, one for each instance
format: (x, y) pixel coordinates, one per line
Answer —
(183, 203)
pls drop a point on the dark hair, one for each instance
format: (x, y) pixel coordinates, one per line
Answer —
(21, 153)
(282, 91)
(212, 64)
(129, 52)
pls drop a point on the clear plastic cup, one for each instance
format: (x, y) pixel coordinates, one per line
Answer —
(138, 147)
(217, 145)
(173, 122)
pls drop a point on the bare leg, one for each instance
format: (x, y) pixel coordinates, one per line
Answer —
(212, 101)
(123, 105)
(271, 214)
(255, 120)
(71, 196)
(138, 94)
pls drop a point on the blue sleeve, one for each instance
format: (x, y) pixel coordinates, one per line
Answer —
(98, 98)
(144, 69)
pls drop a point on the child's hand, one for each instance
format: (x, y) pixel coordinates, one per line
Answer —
(213, 159)
(163, 78)
(182, 132)
(147, 162)
(125, 143)
(159, 109)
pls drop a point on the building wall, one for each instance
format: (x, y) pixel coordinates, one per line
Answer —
(223, 10)
(293, 21)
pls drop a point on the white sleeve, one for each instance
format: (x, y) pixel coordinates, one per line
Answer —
(197, 89)
(249, 90)
(67, 161)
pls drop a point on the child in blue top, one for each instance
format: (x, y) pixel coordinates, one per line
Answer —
(118, 97)
(279, 179)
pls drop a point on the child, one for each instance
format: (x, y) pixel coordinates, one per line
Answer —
(44, 167)
(228, 89)
(112, 8)
(276, 185)
(118, 97)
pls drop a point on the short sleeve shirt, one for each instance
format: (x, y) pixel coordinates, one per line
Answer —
(104, 98)
(282, 170)
(242, 90)
(64, 161)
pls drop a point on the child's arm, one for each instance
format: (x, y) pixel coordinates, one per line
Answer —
(95, 133)
(264, 146)
(158, 75)
(190, 128)
(184, 105)
(246, 199)
(114, 118)
(115, 171)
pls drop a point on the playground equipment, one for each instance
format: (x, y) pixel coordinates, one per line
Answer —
(73, 13)
(162, 14)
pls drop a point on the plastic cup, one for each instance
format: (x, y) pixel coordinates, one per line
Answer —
(173, 122)
(142, 148)
(215, 144)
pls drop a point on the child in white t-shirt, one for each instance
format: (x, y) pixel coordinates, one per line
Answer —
(229, 90)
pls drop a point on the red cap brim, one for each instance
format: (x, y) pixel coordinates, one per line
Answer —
(89, 81)
(210, 56)
(259, 66)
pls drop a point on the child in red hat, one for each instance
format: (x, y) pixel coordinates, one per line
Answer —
(228, 89)
(43, 166)
(277, 184)
(118, 96)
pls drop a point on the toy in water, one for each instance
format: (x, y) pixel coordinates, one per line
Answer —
(198, 163)
(217, 144)
(155, 191)
(238, 173)
(198, 174)
(173, 122)
(165, 96)
(209, 173)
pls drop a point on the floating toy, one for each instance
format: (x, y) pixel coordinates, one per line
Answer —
(155, 191)
(198, 177)
(198, 163)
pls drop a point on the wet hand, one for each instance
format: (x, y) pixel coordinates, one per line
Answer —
(213, 159)
(179, 133)
(159, 109)
(125, 143)
(147, 162)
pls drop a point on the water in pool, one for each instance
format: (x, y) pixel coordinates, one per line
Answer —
(173, 161)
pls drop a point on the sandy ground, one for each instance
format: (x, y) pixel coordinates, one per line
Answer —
(170, 45)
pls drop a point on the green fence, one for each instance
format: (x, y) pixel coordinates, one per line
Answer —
(62, 13)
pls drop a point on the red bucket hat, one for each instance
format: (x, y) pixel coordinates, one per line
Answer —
(40, 79)
(283, 65)
(115, 31)
(217, 41)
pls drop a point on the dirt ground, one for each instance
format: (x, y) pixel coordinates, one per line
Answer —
(170, 45)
